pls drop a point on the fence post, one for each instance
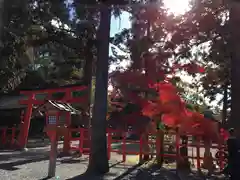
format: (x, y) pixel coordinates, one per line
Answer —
(198, 153)
(109, 141)
(221, 157)
(4, 135)
(13, 136)
(150, 143)
(81, 140)
(140, 148)
(178, 146)
(146, 148)
(124, 147)
(67, 137)
(53, 156)
(158, 146)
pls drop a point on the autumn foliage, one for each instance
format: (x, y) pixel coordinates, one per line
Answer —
(174, 114)
(159, 99)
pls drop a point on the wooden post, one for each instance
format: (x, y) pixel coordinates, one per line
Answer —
(13, 136)
(234, 45)
(140, 148)
(53, 154)
(158, 146)
(221, 157)
(198, 153)
(178, 146)
(81, 141)
(208, 159)
(66, 145)
(146, 149)
(124, 148)
(159, 142)
(4, 136)
(109, 142)
(23, 135)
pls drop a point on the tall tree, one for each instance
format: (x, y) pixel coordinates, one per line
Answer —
(1, 21)
(225, 104)
(91, 17)
(235, 63)
(98, 155)
(47, 34)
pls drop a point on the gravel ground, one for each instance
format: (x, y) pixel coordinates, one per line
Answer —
(33, 165)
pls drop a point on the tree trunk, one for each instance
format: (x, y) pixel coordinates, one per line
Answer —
(225, 104)
(1, 21)
(184, 153)
(135, 46)
(98, 155)
(234, 22)
(87, 80)
(87, 76)
(160, 147)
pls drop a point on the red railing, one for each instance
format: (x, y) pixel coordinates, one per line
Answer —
(81, 140)
(82, 145)
(220, 147)
(145, 142)
(123, 143)
(8, 136)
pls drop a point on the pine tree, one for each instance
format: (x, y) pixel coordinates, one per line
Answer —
(98, 156)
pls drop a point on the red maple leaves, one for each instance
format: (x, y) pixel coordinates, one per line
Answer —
(171, 109)
(167, 105)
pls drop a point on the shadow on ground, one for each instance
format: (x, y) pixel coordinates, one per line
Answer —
(12, 155)
(36, 147)
(22, 158)
(134, 173)
(11, 166)
(74, 160)
(106, 176)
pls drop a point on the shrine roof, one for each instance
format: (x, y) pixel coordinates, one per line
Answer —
(61, 106)
(8, 102)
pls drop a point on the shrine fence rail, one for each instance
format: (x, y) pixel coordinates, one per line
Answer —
(149, 144)
(144, 144)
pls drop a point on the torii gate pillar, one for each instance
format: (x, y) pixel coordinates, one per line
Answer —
(24, 128)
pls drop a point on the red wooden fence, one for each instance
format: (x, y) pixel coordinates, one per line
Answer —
(150, 142)
(8, 136)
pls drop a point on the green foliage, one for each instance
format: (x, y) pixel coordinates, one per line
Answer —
(149, 29)
(45, 39)
(203, 36)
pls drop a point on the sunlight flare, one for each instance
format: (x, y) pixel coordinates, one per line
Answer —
(177, 7)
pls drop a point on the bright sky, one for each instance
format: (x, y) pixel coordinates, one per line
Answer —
(117, 25)
(177, 7)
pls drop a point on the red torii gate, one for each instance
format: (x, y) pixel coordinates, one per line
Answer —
(68, 98)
